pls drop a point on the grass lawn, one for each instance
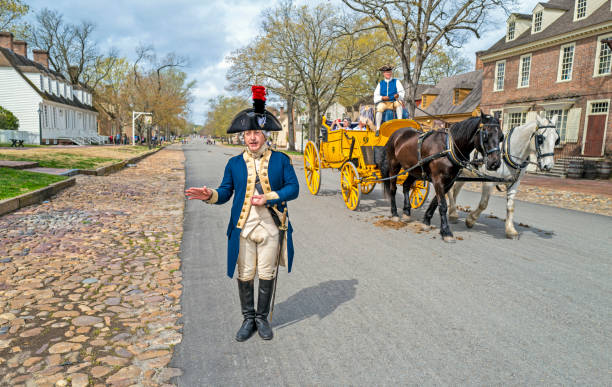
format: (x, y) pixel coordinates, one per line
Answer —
(88, 157)
(8, 145)
(15, 182)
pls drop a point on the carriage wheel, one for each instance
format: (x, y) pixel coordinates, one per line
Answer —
(418, 193)
(367, 187)
(312, 167)
(350, 185)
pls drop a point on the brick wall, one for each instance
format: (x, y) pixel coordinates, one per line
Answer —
(543, 85)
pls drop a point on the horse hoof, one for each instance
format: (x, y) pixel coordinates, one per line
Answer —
(395, 219)
(453, 219)
(512, 236)
(449, 239)
(469, 223)
(405, 218)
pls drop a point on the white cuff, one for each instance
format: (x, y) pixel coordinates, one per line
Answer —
(214, 198)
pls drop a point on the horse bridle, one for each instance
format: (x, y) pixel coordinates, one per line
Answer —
(539, 141)
(484, 137)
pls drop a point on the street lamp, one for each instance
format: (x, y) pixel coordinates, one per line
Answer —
(134, 116)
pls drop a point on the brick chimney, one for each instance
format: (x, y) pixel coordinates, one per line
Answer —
(479, 64)
(41, 57)
(6, 40)
(20, 47)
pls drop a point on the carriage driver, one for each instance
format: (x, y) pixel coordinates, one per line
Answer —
(262, 181)
(388, 95)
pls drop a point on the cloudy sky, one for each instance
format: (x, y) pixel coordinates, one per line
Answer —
(205, 32)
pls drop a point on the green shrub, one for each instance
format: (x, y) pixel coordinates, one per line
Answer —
(8, 121)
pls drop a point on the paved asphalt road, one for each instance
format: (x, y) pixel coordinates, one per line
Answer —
(366, 305)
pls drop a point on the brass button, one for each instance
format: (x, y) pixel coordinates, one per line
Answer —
(283, 203)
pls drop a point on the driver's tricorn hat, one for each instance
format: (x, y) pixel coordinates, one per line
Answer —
(257, 117)
(386, 68)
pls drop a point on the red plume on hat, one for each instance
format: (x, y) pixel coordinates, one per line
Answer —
(257, 117)
(259, 98)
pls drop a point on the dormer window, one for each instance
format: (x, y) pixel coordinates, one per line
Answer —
(537, 22)
(511, 30)
(581, 9)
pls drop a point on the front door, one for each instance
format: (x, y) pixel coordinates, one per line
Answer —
(596, 129)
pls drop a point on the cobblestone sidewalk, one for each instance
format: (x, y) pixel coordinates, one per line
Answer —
(90, 281)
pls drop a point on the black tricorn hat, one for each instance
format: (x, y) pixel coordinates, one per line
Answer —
(257, 117)
(386, 68)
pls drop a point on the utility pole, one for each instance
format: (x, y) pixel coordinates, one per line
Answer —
(135, 115)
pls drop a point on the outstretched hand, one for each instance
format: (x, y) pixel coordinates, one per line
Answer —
(195, 193)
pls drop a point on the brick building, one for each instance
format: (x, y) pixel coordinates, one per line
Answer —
(555, 60)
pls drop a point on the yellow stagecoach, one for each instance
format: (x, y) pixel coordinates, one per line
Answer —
(354, 153)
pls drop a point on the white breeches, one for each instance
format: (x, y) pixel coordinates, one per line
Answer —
(258, 252)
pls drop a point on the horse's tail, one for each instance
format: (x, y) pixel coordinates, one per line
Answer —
(384, 167)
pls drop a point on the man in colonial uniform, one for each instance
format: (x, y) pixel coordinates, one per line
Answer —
(262, 181)
(388, 95)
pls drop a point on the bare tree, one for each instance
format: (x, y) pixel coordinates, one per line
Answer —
(72, 49)
(322, 47)
(258, 63)
(416, 28)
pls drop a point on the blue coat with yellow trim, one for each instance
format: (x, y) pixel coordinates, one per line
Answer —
(279, 183)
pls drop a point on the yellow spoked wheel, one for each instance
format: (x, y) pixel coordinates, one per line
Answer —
(351, 192)
(312, 167)
(418, 193)
(367, 187)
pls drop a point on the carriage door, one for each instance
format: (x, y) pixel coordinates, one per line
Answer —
(597, 119)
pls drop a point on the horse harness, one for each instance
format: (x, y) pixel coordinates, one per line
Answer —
(539, 140)
(448, 152)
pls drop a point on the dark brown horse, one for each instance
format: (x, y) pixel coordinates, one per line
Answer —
(453, 145)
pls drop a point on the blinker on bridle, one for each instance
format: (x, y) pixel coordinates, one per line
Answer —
(540, 138)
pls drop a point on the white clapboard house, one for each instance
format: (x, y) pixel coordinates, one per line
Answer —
(50, 109)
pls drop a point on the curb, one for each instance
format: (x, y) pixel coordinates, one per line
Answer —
(37, 196)
(103, 171)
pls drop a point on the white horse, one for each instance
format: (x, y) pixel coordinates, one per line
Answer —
(535, 138)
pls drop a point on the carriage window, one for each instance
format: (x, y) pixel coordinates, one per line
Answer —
(537, 22)
(500, 70)
(604, 64)
(525, 70)
(566, 61)
(561, 121)
(581, 7)
(516, 119)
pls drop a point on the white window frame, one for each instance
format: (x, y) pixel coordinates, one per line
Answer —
(508, 38)
(496, 74)
(597, 56)
(588, 113)
(560, 65)
(533, 29)
(523, 118)
(576, 10)
(520, 72)
(561, 122)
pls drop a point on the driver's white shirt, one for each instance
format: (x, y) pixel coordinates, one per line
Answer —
(398, 85)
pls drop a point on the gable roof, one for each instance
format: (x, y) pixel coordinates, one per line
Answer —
(564, 24)
(22, 64)
(443, 104)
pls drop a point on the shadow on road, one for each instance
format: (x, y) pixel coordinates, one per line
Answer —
(321, 300)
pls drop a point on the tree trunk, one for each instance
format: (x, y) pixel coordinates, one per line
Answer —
(312, 123)
(291, 124)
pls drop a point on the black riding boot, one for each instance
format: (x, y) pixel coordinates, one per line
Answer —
(246, 292)
(263, 308)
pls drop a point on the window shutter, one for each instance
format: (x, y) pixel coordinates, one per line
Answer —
(531, 116)
(573, 124)
(505, 122)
